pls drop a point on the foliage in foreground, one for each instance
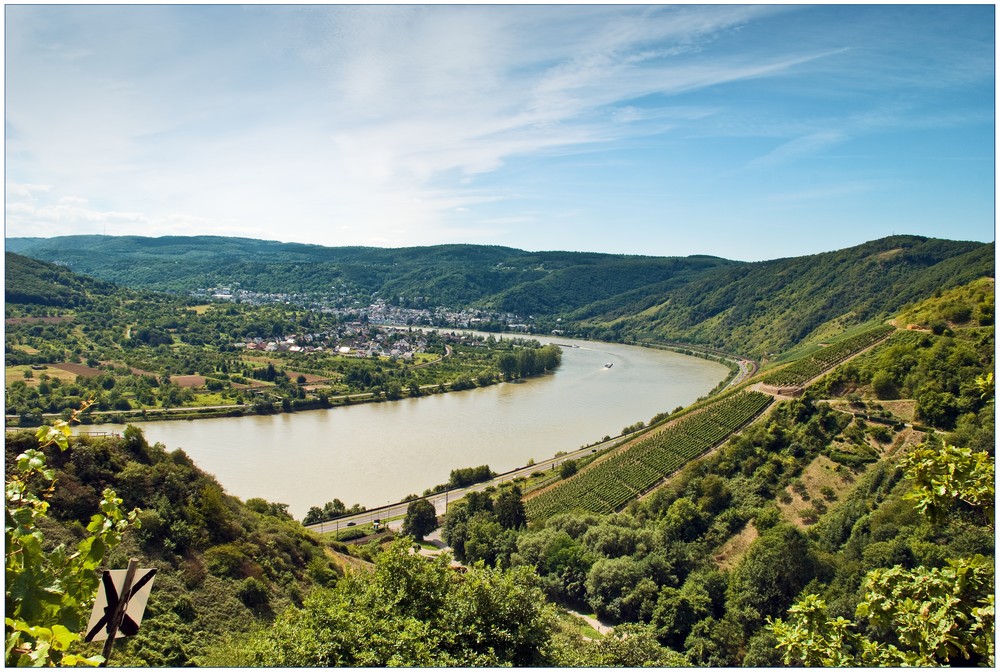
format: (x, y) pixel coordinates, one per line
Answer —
(413, 611)
(50, 591)
(924, 616)
(219, 561)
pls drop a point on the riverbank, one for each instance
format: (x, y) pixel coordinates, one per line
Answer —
(265, 406)
(371, 453)
(740, 369)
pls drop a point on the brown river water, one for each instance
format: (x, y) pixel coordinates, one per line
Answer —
(379, 452)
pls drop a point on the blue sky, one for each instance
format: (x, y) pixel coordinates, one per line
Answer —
(739, 131)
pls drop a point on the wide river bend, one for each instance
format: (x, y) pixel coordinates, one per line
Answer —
(379, 452)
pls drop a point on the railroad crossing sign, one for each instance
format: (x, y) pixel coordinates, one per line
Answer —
(120, 603)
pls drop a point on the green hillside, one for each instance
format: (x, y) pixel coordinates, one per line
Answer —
(770, 306)
(749, 308)
(34, 282)
(451, 275)
(852, 525)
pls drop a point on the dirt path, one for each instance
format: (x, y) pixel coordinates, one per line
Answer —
(591, 621)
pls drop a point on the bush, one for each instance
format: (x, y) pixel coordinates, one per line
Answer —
(567, 468)
(226, 561)
(253, 593)
(881, 434)
(956, 313)
(767, 518)
(350, 534)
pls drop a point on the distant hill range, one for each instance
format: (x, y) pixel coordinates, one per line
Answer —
(742, 307)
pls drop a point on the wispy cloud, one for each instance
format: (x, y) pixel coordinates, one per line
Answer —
(798, 148)
(394, 124)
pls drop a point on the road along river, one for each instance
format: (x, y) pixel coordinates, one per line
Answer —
(378, 453)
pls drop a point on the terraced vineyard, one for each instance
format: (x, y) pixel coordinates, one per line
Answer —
(807, 368)
(610, 484)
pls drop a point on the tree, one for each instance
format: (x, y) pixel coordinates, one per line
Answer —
(501, 613)
(884, 385)
(940, 409)
(313, 515)
(49, 591)
(562, 562)
(634, 645)
(412, 611)
(421, 519)
(487, 540)
(509, 509)
(611, 588)
(777, 566)
(684, 520)
(508, 365)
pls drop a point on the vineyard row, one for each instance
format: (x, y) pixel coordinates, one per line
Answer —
(807, 368)
(608, 485)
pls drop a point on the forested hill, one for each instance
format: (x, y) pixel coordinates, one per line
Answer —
(773, 305)
(751, 308)
(35, 282)
(451, 275)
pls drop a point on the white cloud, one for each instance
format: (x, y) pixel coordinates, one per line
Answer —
(73, 200)
(387, 104)
(27, 191)
(355, 124)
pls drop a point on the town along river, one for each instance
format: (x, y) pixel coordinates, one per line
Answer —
(375, 453)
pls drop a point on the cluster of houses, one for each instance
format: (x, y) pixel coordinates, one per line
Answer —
(378, 312)
(353, 340)
(381, 312)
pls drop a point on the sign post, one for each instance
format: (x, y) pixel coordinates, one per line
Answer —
(119, 605)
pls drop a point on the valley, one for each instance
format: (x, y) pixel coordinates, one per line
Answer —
(700, 534)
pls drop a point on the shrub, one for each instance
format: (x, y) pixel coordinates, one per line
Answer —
(226, 560)
(351, 534)
(253, 593)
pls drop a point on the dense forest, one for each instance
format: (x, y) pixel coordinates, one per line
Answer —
(848, 524)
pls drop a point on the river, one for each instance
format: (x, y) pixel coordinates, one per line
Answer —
(379, 452)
